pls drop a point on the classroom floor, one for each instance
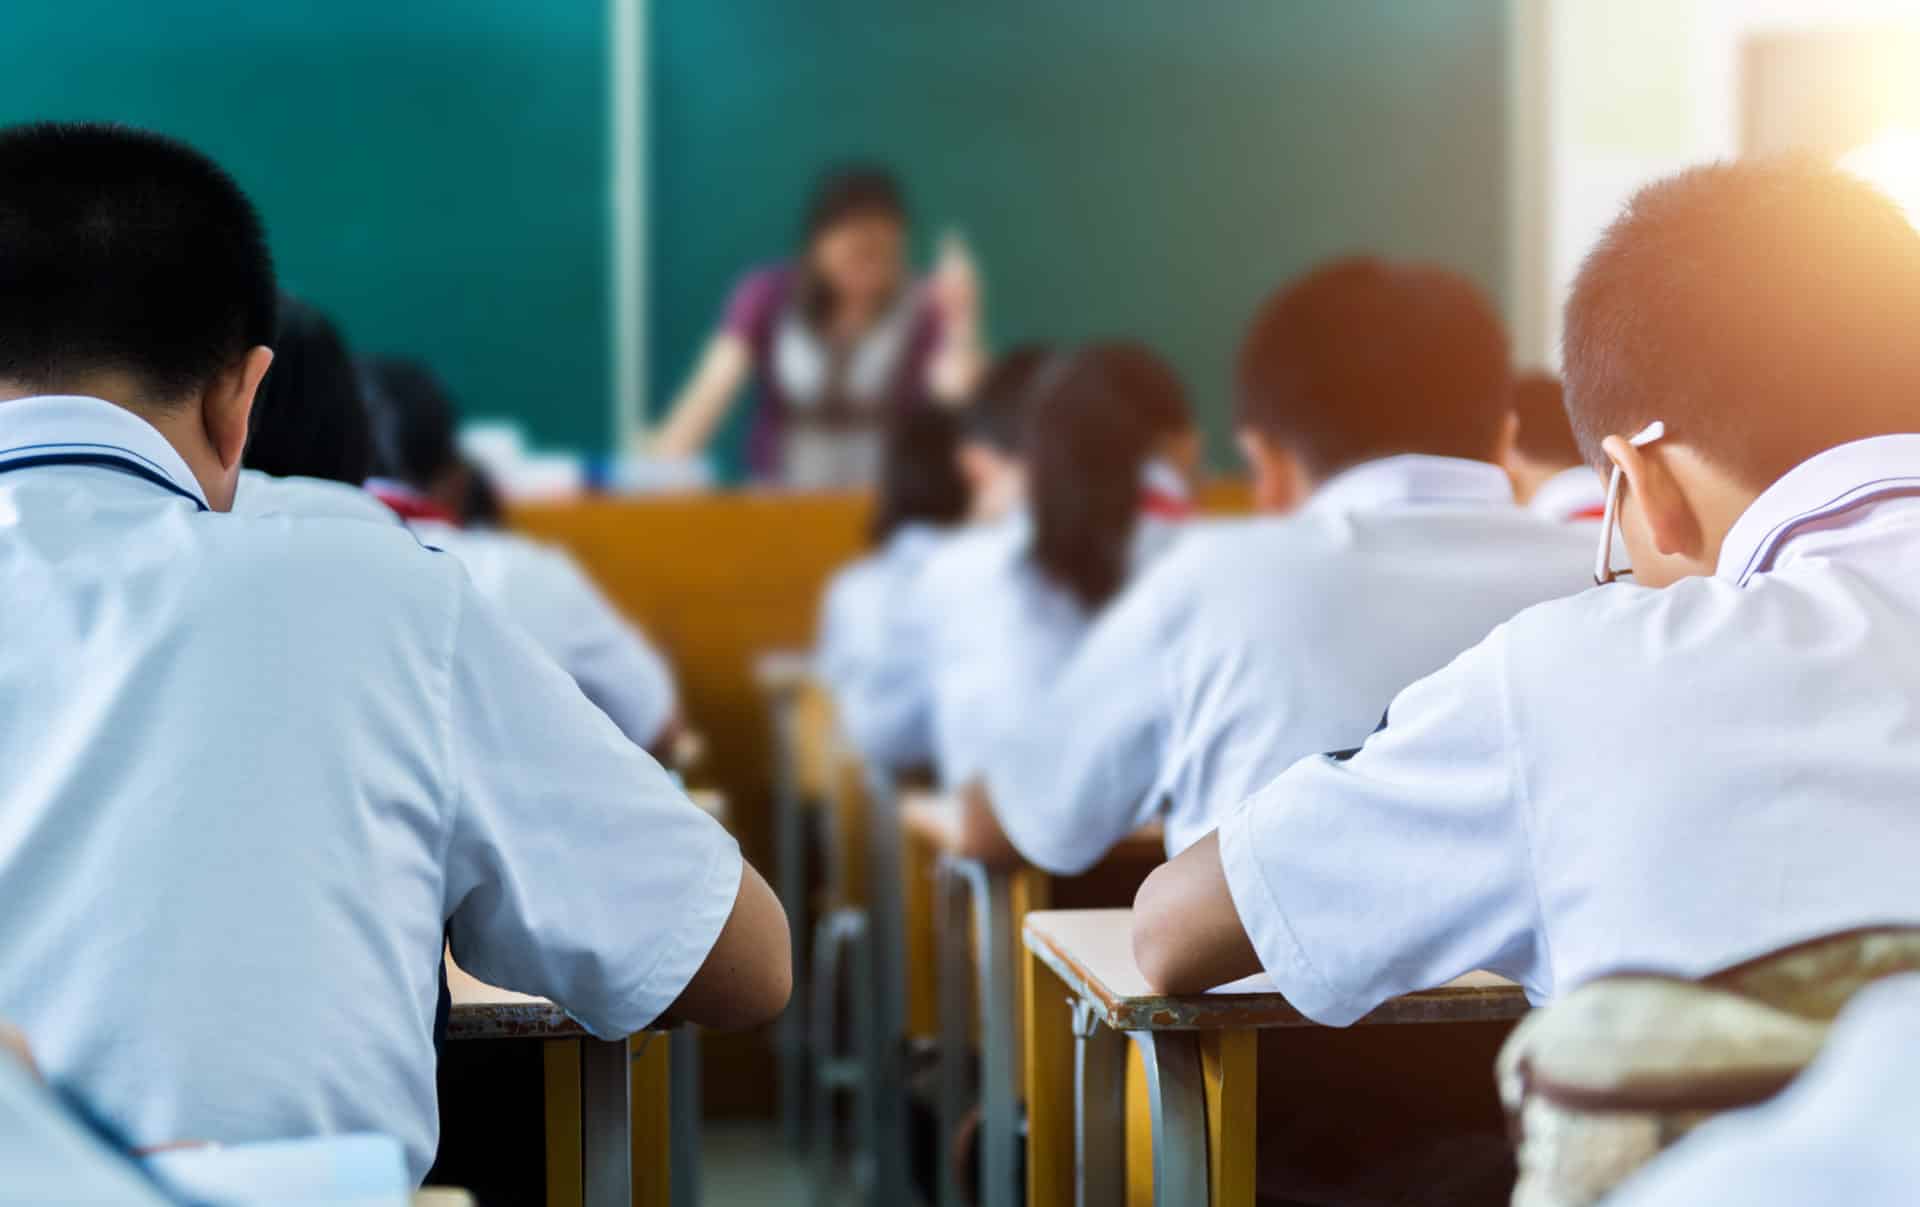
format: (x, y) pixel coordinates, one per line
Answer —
(744, 1163)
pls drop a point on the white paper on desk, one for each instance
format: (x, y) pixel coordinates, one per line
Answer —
(363, 1170)
(1259, 982)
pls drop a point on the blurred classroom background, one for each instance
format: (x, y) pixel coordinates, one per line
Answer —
(548, 202)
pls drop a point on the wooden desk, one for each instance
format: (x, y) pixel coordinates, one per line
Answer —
(977, 913)
(1199, 1054)
(608, 1140)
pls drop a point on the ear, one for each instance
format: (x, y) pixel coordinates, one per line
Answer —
(1280, 479)
(227, 406)
(1670, 526)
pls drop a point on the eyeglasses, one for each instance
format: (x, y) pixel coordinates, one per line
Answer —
(1603, 571)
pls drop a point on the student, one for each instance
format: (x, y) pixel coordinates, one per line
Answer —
(423, 478)
(255, 770)
(922, 497)
(894, 730)
(1107, 448)
(1373, 398)
(310, 443)
(1669, 776)
(1540, 454)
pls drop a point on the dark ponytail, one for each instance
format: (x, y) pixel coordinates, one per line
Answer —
(1091, 426)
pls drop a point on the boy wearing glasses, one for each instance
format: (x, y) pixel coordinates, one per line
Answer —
(1710, 763)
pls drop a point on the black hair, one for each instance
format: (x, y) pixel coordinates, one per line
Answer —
(843, 192)
(1361, 359)
(481, 507)
(997, 414)
(1763, 309)
(1544, 434)
(415, 422)
(310, 418)
(123, 251)
(920, 478)
(1095, 418)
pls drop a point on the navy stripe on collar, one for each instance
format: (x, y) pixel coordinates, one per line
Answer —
(1854, 496)
(121, 462)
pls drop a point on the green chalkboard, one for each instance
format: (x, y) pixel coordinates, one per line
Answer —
(1125, 167)
(431, 171)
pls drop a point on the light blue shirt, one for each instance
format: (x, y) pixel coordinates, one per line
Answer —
(1261, 640)
(882, 700)
(1665, 780)
(253, 766)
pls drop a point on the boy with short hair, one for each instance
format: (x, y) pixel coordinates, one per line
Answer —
(1550, 475)
(256, 768)
(1667, 779)
(1373, 397)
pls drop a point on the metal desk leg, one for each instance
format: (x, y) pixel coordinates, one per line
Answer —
(999, 1014)
(887, 1100)
(952, 920)
(606, 1106)
(790, 840)
(685, 1111)
(1099, 1110)
(1177, 1101)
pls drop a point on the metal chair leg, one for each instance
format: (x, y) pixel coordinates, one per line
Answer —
(838, 932)
(951, 933)
(790, 841)
(1177, 1104)
(1099, 1110)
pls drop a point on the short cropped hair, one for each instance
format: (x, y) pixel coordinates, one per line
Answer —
(1764, 310)
(1545, 435)
(416, 423)
(920, 480)
(123, 251)
(310, 418)
(997, 414)
(1362, 358)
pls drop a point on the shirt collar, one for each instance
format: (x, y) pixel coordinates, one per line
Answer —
(76, 427)
(1413, 479)
(1824, 492)
(1571, 494)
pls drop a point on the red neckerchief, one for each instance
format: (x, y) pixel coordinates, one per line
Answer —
(410, 505)
(1165, 506)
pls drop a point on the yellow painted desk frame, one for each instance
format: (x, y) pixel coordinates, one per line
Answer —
(1199, 1058)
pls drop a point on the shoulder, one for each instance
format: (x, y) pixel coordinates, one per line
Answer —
(1619, 627)
(308, 563)
(262, 494)
(757, 295)
(975, 554)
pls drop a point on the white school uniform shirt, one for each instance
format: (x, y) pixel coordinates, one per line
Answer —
(995, 631)
(1572, 495)
(547, 593)
(253, 767)
(881, 698)
(1669, 780)
(1843, 1132)
(261, 494)
(1262, 640)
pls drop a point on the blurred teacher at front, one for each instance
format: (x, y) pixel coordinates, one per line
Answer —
(833, 340)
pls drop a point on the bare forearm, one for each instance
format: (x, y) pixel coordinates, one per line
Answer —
(1187, 936)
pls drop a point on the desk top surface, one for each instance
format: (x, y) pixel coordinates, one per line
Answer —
(480, 1011)
(934, 818)
(1092, 951)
